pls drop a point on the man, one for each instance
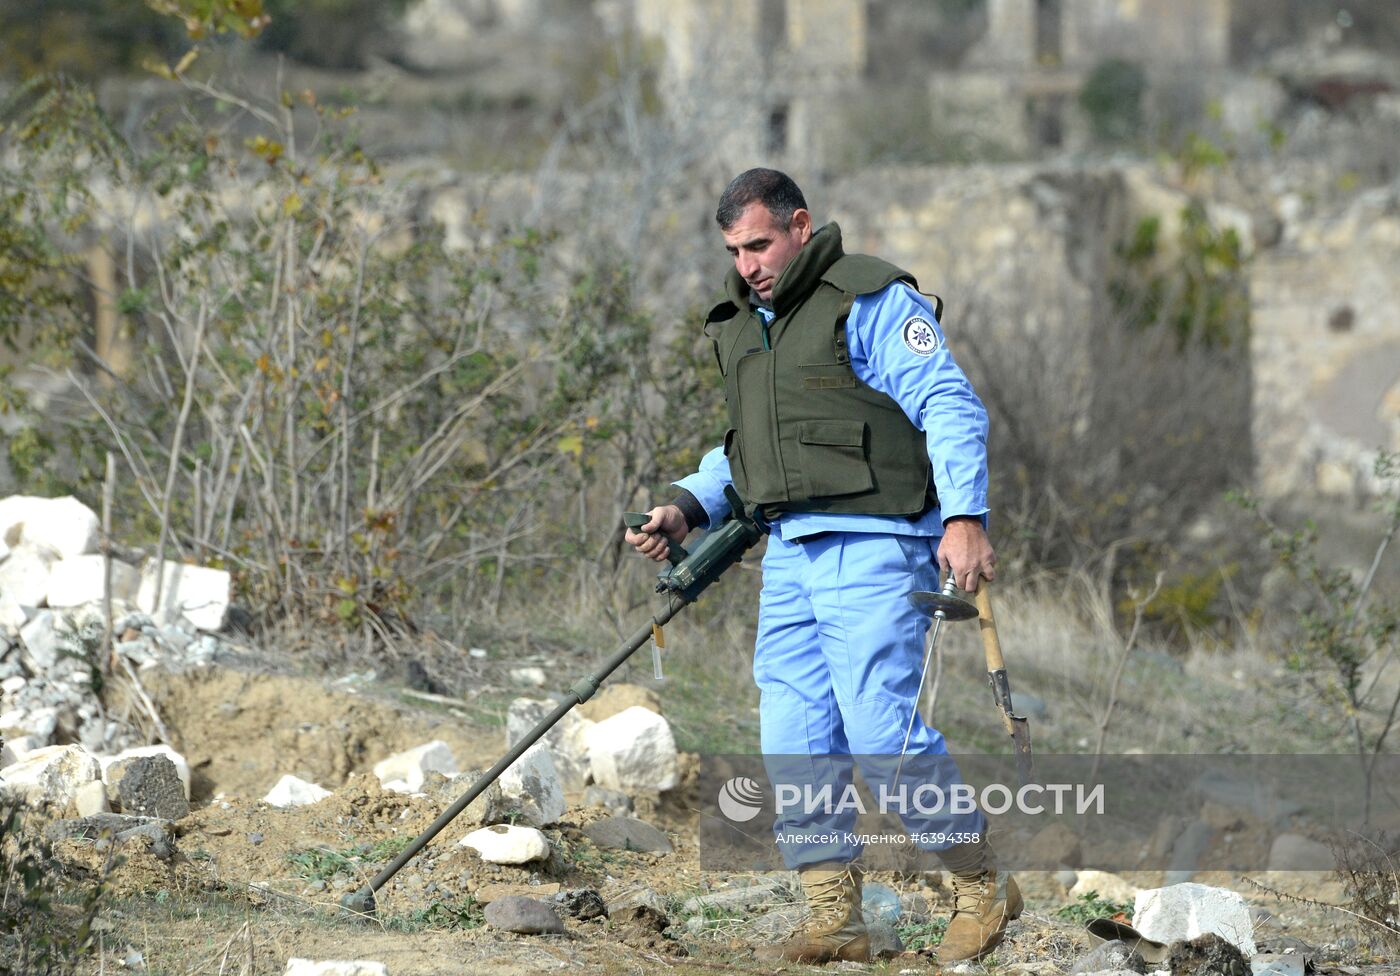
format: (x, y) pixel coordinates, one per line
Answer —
(865, 446)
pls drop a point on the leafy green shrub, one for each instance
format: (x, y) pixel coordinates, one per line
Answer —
(1089, 906)
(1112, 99)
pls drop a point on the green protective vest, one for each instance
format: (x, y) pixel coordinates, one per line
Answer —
(805, 435)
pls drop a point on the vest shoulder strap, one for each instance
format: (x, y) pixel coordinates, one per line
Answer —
(861, 274)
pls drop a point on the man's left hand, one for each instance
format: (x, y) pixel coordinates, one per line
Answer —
(967, 553)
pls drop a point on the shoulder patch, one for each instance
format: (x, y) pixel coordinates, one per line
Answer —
(920, 336)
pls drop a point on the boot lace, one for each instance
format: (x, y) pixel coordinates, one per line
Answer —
(968, 892)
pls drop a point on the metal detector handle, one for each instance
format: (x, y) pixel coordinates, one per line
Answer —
(675, 552)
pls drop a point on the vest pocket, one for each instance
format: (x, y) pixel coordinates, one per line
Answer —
(833, 459)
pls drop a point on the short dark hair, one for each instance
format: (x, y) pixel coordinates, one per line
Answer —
(773, 189)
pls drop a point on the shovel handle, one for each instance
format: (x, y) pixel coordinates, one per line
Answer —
(987, 624)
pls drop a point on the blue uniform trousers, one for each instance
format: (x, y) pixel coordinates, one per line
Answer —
(837, 662)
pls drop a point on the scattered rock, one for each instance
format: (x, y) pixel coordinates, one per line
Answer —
(12, 615)
(337, 967)
(526, 916)
(76, 580)
(150, 786)
(197, 593)
(90, 799)
(24, 575)
(1206, 955)
(50, 776)
(614, 801)
(533, 677)
(643, 927)
(293, 792)
(741, 899)
(114, 766)
(508, 844)
(613, 699)
(42, 642)
(567, 740)
(489, 892)
(532, 786)
(1278, 964)
(633, 750)
(627, 834)
(1294, 852)
(411, 766)
(619, 897)
(16, 749)
(65, 525)
(584, 904)
(885, 942)
(1110, 887)
(1116, 955)
(1185, 911)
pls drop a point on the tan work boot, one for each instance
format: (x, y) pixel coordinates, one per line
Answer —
(836, 928)
(983, 905)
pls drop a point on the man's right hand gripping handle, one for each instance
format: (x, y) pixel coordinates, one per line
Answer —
(666, 525)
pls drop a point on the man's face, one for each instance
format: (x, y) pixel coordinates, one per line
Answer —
(762, 248)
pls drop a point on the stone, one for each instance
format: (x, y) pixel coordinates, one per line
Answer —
(197, 593)
(65, 525)
(613, 699)
(12, 615)
(1110, 887)
(12, 685)
(150, 786)
(1278, 964)
(411, 766)
(490, 891)
(50, 776)
(90, 799)
(885, 942)
(508, 844)
(1294, 852)
(634, 750)
(567, 740)
(740, 899)
(334, 967)
(532, 786)
(526, 916)
(1207, 955)
(293, 792)
(16, 748)
(37, 725)
(24, 576)
(76, 580)
(621, 897)
(1115, 955)
(114, 766)
(614, 801)
(42, 642)
(584, 904)
(627, 834)
(1186, 911)
(532, 676)
(490, 806)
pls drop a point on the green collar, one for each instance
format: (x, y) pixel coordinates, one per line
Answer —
(799, 279)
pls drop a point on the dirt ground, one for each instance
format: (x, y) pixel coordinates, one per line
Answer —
(250, 886)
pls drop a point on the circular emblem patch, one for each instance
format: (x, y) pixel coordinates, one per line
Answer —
(920, 336)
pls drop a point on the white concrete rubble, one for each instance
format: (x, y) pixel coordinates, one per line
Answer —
(65, 525)
(49, 776)
(41, 641)
(532, 785)
(633, 750)
(16, 749)
(12, 615)
(198, 593)
(1109, 886)
(90, 799)
(293, 792)
(567, 740)
(24, 576)
(36, 724)
(507, 844)
(334, 967)
(410, 767)
(114, 766)
(76, 580)
(1184, 911)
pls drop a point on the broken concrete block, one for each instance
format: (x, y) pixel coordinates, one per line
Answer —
(293, 792)
(567, 740)
(507, 844)
(49, 776)
(150, 787)
(633, 750)
(114, 766)
(334, 967)
(197, 593)
(76, 580)
(532, 786)
(91, 799)
(24, 576)
(1185, 911)
(64, 525)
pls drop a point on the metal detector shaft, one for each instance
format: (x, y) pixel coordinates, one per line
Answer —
(362, 901)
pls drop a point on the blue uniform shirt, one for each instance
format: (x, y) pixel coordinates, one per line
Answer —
(895, 355)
